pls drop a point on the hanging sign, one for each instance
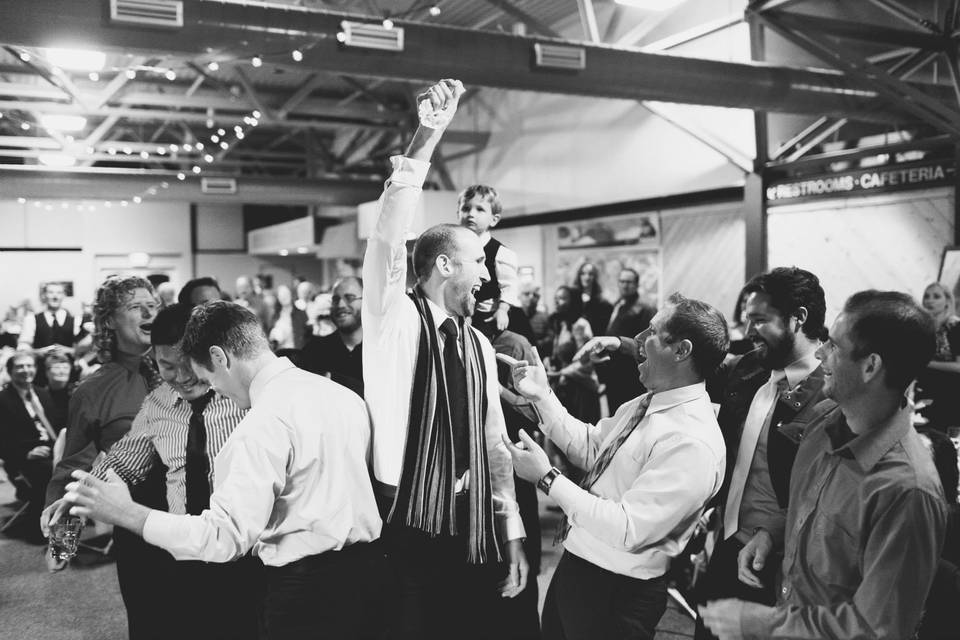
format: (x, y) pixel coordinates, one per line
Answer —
(899, 177)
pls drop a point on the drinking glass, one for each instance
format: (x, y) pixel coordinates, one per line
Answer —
(65, 536)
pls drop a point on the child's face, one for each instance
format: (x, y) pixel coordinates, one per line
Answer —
(476, 215)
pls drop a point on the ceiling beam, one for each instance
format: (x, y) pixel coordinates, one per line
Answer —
(478, 58)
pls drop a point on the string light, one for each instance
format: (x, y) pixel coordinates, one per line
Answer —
(213, 65)
(297, 55)
(435, 10)
(387, 23)
(94, 76)
(256, 61)
(131, 74)
(181, 175)
(170, 75)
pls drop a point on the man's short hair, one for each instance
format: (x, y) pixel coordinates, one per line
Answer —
(703, 326)
(170, 324)
(790, 288)
(228, 325)
(636, 274)
(184, 296)
(19, 355)
(438, 240)
(892, 325)
(483, 191)
(47, 285)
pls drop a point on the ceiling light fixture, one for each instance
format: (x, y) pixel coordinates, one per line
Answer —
(76, 59)
(650, 5)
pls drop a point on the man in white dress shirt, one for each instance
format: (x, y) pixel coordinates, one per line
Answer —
(291, 483)
(651, 469)
(442, 474)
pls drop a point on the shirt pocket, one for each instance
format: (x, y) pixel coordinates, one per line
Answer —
(833, 553)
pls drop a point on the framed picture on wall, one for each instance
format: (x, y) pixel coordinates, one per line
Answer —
(621, 231)
(950, 270)
(609, 262)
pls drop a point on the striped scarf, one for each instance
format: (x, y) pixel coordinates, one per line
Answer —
(426, 493)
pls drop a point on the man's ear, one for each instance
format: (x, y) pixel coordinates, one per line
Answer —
(219, 358)
(801, 315)
(445, 265)
(684, 350)
(871, 366)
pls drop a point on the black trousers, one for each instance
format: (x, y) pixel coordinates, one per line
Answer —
(217, 601)
(586, 602)
(435, 594)
(335, 596)
(720, 581)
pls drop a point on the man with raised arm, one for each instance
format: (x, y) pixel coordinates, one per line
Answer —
(442, 474)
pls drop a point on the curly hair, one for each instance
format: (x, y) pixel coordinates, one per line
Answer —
(110, 296)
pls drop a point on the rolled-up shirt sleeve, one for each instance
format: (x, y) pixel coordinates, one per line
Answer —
(252, 466)
(667, 489)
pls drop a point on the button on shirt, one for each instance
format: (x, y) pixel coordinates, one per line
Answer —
(161, 429)
(290, 482)
(643, 509)
(391, 339)
(864, 531)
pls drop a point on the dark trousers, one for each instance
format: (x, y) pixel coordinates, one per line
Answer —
(586, 602)
(720, 581)
(434, 593)
(217, 601)
(37, 473)
(143, 570)
(335, 595)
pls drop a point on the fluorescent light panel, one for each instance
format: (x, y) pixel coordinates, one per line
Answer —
(62, 122)
(77, 59)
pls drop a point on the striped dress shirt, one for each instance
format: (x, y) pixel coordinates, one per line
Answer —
(160, 429)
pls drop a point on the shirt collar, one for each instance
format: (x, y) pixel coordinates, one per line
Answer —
(439, 314)
(129, 361)
(60, 315)
(799, 370)
(673, 397)
(265, 375)
(867, 448)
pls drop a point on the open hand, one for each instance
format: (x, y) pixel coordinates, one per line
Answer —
(597, 349)
(530, 461)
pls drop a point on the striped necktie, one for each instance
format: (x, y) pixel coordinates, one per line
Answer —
(606, 457)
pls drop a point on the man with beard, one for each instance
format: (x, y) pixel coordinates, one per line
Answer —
(340, 354)
(767, 397)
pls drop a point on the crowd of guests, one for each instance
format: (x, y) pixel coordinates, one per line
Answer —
(376, 477)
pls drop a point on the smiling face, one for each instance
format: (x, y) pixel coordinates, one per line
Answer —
(477, 214)
(23, 371)
(467, 272)
(223, 377)
(132, 321)
(58, 374)
(842, 373)
(628, 282)
(657, 366)
(175, 370)
(769, 331)
(345, 305)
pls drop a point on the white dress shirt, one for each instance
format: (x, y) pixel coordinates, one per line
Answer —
(291, 481)
(29, 329)
(643, 509)
(391, 337)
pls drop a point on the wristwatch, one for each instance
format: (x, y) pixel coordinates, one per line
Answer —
(546, 481)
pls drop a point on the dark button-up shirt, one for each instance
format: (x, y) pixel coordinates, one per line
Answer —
(329, 355)
(864, 532)
(101, 411)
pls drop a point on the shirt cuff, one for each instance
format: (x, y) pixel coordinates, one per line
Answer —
(550, 411)
(160, 527)
(565, 492)
(511, 527)
(409, 172)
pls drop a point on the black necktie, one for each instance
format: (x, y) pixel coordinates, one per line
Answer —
(55, 325)
(456, 377)
(198, 466)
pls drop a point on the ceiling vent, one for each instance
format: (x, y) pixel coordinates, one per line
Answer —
(155, 13)
(555, 56)
(218, 186)
(371, 36)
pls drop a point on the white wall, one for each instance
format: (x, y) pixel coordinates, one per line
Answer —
(884, 242)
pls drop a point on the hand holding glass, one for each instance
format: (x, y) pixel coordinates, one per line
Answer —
(65, 536)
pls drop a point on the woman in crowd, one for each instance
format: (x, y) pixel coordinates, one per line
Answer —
(595, 308)
(290, 323)
(940, 383)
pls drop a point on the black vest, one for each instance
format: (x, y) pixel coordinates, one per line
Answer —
(47, 335)
(491, 289)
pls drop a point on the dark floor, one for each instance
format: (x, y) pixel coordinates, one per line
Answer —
(83, 602)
